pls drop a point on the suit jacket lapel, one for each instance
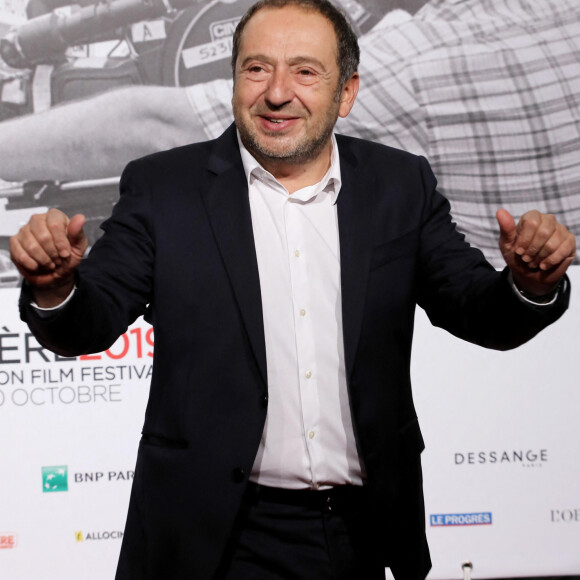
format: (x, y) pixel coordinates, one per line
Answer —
(355, 207)
(228, 209)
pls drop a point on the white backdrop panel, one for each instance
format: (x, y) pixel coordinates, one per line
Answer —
(480, 412)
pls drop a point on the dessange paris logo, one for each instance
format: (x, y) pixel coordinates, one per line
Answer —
(521, 457)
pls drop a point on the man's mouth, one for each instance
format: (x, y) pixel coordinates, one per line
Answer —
(277, 125)
(277, 119)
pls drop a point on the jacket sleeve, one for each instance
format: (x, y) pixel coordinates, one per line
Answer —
(113, 284)
(461, 292)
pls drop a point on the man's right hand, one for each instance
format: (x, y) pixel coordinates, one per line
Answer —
(47, 251)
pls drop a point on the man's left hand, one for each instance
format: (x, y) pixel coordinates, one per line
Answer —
(538, 250)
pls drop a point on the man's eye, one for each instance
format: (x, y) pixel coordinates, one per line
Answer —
(305, 72)
(255, 69)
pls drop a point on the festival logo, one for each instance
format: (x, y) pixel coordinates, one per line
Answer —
(471, 519)
(55, 478)
(567, 516)
(103, 476)
(92, 536)
(7, 540)
(521, 457)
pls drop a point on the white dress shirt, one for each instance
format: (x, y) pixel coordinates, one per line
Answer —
(308, 439)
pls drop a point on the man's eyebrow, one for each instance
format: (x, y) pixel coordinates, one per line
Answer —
(297, 60)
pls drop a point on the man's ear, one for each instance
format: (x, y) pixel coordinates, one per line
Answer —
(348, 95)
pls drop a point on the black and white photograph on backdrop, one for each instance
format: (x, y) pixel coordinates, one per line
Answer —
(488, 91)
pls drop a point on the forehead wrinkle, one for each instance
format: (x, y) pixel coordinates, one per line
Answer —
(281, 40)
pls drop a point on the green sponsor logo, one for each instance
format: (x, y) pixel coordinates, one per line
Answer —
(55, 478)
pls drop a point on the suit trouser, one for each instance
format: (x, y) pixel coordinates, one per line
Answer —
(302, 535)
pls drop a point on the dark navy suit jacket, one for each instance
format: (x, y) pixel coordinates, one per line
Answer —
(179, 249)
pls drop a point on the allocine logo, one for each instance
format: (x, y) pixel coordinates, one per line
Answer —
(55, 478)
(523, 457)
(91, 536)
(7, 540)
(473, 519)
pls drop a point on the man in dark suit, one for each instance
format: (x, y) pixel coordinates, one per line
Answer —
(280, 266)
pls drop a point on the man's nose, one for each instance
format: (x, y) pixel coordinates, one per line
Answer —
(280, 89)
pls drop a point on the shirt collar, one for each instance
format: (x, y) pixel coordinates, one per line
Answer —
(331, 182)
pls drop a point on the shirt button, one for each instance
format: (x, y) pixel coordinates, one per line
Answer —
(311, 434)
(302, 312)
(308, 374)
(297, 253)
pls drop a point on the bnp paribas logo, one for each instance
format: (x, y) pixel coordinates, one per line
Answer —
(55, 478)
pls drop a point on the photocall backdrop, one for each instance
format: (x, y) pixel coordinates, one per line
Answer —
(487, 89)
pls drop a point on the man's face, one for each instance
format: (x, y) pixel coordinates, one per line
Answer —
(286, 99)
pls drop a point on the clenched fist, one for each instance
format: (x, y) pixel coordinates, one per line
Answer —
(538, 250)
(47, 251)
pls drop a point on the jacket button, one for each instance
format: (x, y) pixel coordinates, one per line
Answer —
(264, 400)
(238, 475)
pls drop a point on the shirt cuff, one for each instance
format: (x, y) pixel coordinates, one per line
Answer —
(529, 300)
(47, 312)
